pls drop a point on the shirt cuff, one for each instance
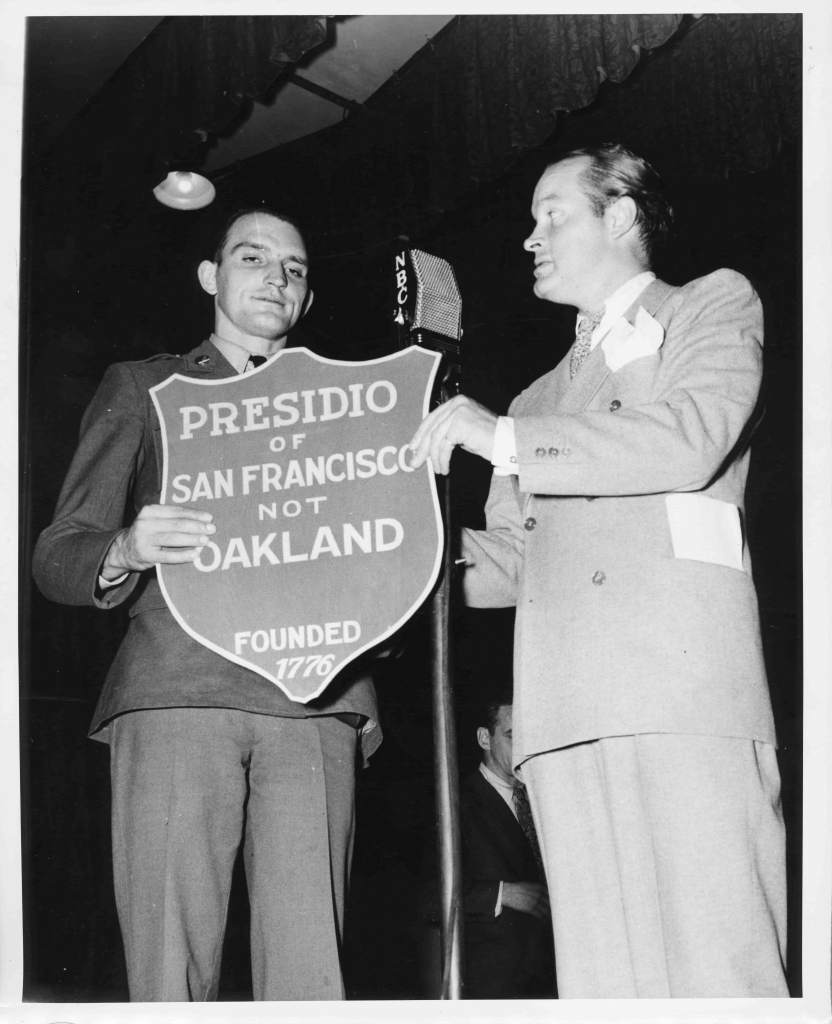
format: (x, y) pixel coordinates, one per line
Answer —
(504, 454)
(498, 908)
(109, 584)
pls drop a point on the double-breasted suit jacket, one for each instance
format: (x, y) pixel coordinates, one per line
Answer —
(621, 538)
(115, 472)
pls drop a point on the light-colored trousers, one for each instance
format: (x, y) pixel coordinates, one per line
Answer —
(188, 786)
(665, 862)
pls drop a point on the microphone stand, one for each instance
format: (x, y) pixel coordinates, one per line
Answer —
(444, 730)
(445, 755)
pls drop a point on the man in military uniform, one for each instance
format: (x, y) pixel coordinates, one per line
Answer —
(205, 754)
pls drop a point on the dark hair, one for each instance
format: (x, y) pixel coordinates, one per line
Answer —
(244, 211)
(488, 711)
(615, 171)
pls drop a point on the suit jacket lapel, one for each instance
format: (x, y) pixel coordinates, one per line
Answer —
(589, 378)
(505, 827)
(595, 371)
(652, 299)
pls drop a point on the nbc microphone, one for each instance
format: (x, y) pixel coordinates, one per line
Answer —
(427, 304)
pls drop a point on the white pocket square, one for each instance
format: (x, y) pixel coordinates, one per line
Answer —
(625, 342)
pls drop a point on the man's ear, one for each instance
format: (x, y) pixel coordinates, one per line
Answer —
(207, 274)
(307, 302)
(621, 215)
(484, 737)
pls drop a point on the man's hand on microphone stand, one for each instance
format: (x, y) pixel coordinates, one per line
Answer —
(459, 421)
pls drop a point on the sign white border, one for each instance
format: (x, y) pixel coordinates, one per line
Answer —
(431, 356)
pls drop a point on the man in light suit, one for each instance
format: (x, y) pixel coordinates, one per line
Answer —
(205, 754)
(508, 942)
(615, 524)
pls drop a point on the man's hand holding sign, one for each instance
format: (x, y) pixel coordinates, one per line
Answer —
(459, 421)
(160, 534)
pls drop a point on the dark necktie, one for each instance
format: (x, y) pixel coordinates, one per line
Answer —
(524, 818)
(254, 362)
(581, 347)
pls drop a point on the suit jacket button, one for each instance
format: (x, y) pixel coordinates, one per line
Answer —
(554, 452)
(540, 452)
(530, 523)
(598, 578)
(615, 405)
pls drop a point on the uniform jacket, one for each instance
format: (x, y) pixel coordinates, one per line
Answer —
(510, 954)
(115, 472)
(621, 540)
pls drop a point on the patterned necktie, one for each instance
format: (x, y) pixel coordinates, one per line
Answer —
(254, 362)
(583, 341)
(524, 817)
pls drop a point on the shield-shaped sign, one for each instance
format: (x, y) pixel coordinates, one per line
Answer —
(326, 539)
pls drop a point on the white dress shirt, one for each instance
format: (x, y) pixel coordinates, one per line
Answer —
(505, 789)
(232, 352)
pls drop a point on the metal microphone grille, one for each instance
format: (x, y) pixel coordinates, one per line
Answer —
(438, 302)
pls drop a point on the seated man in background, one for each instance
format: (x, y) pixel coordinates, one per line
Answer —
(508, 939)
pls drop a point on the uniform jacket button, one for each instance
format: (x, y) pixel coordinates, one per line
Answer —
(540, 452)
(615, 405)
(598, 578)
(530, 523)
(554, 452)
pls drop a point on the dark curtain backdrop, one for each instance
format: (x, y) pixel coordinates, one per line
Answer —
(191, 78)
(447, 153)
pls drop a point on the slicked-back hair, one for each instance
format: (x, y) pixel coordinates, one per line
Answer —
(615, 171)
(487, 714)
(244, 211)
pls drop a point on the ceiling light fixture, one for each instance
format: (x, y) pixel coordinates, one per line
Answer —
(185, 190)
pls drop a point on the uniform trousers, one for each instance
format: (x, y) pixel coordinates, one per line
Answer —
(188, 786)
(665, 862)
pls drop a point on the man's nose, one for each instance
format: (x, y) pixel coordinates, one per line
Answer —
(532, 243)
(276, 275)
